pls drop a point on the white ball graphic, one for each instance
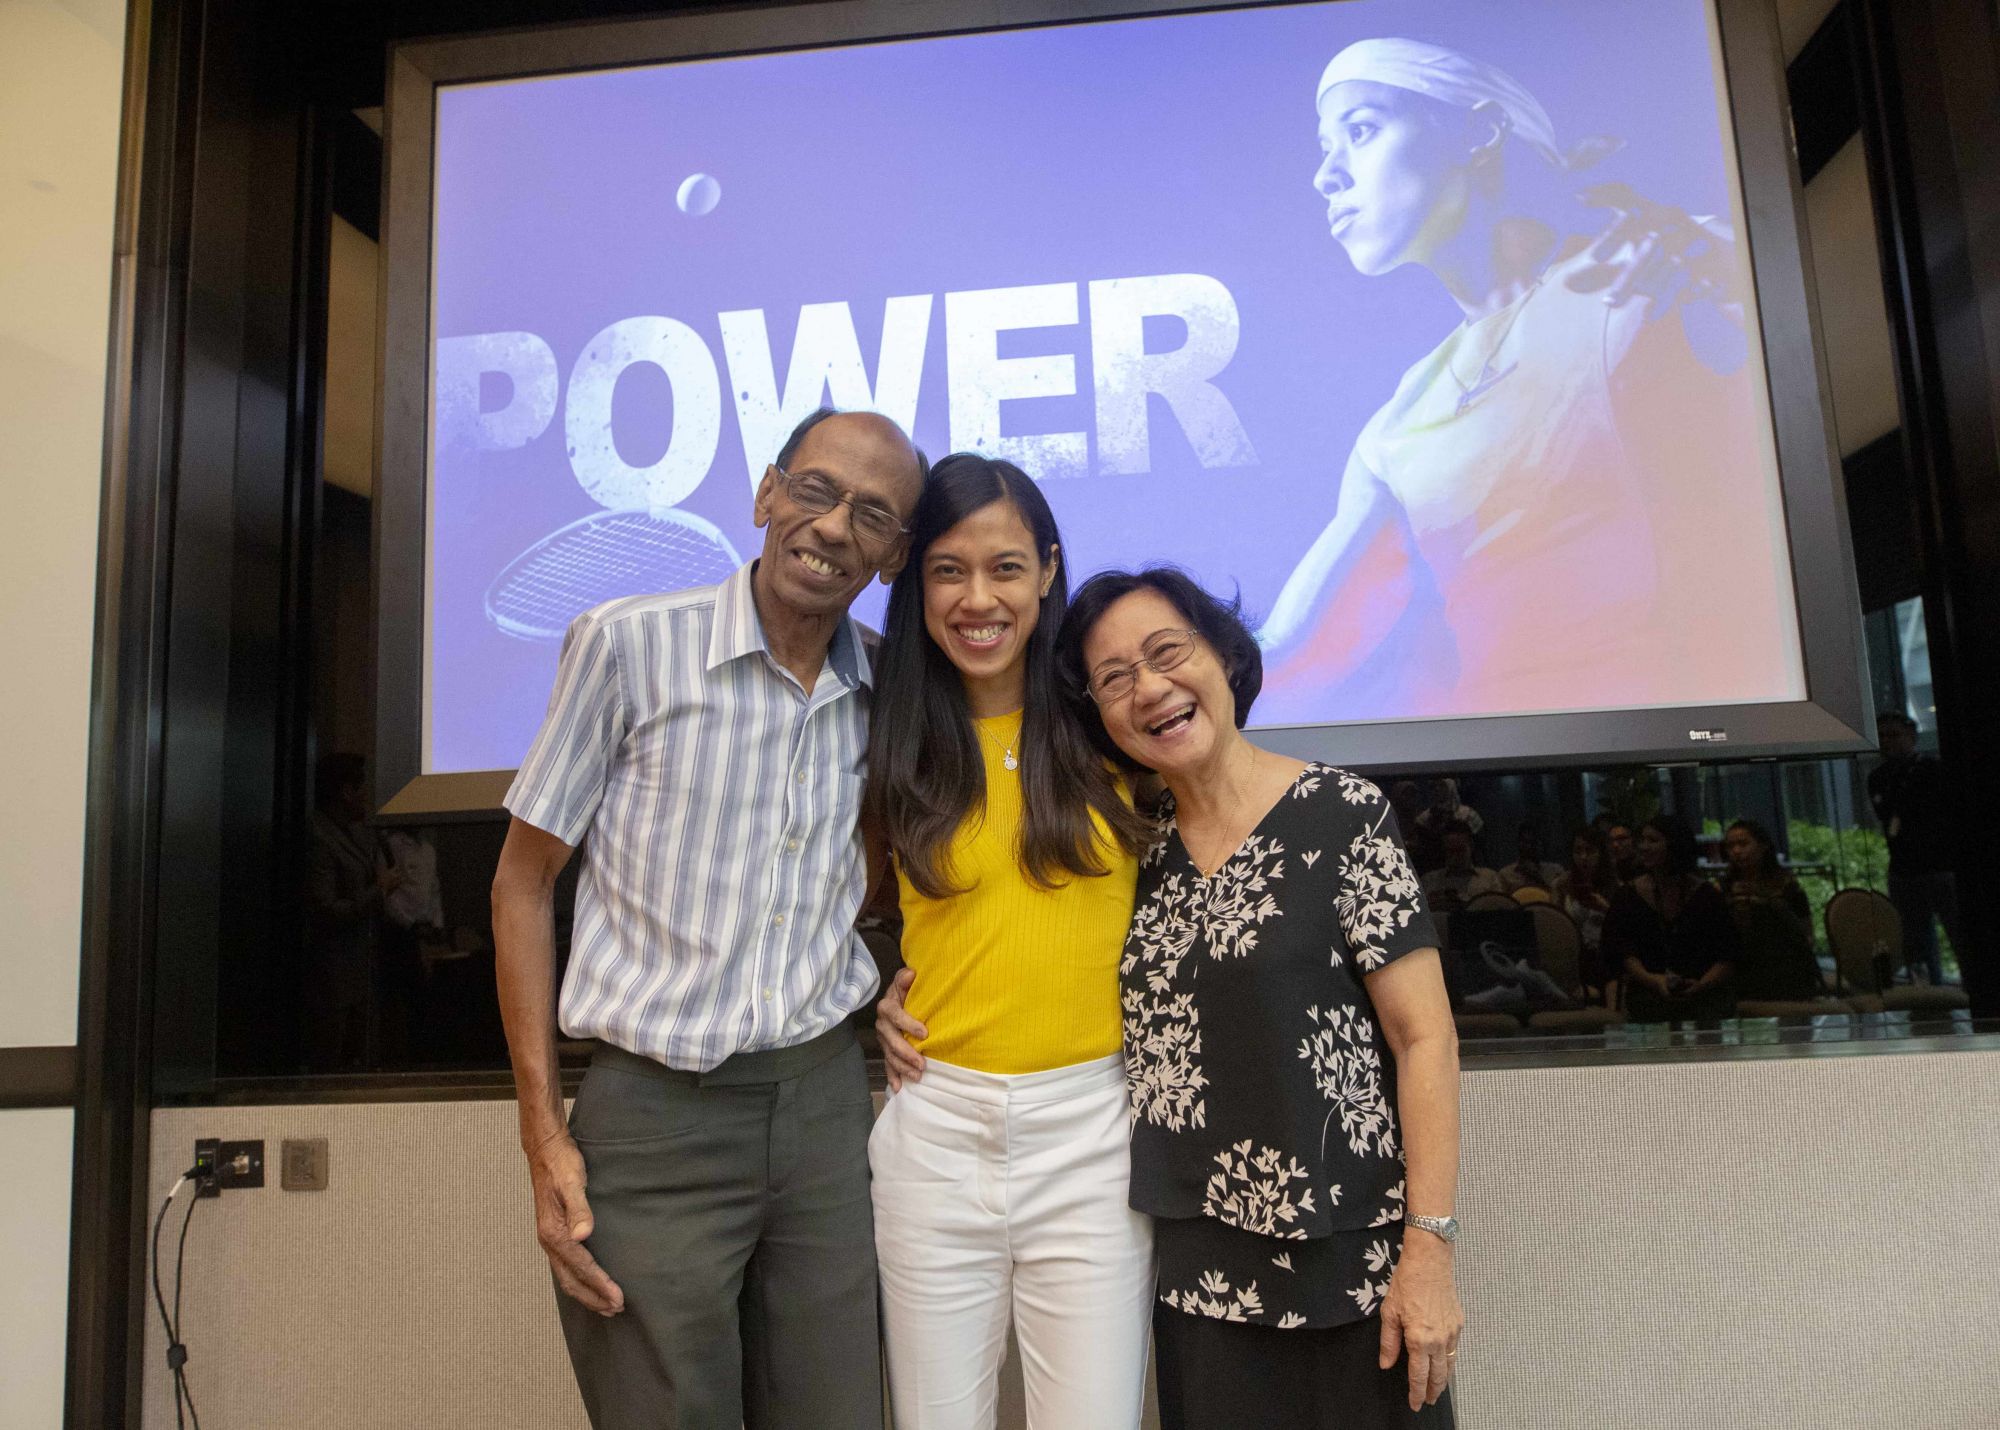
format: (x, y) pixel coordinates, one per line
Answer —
(699, 194)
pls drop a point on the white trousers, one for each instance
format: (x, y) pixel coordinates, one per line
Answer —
(1006, 1195)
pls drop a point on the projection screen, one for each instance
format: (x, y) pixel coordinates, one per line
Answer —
(1470, 344)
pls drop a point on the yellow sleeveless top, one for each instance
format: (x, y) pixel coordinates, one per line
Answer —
(1012, 977)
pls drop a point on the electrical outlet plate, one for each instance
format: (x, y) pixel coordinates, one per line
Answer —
(239, 1165)
(207, 1154)
(227, 1166)
(302, 1167)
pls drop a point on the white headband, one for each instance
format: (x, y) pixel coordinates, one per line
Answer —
(1446, 75)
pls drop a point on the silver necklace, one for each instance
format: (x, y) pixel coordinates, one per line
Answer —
(1007, 760)
(1470, 393)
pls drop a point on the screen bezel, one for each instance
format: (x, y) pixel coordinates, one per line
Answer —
(1834, 718)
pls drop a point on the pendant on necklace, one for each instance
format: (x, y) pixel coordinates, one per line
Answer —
(1488, 380)
(1007, 760)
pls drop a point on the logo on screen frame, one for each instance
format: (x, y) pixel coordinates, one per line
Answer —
(1709, 737)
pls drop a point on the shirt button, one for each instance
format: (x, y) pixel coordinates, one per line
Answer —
(778, 919)
(802, 776)
(792, 845)
(767, 995)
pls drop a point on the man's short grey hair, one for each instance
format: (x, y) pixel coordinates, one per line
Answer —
(818, 415)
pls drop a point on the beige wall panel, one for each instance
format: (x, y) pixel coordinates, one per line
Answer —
(34, 1250)
(409, 1293)
(1781, 1243)
(1768, 1244)
(60, 68)
(348, 444)
(1854, 314)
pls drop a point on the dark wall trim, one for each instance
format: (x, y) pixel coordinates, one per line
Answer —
(113, 1084)
(38, 1077)
(1825, 91)
(1888, 556)
(1931, 108)
(357, 172)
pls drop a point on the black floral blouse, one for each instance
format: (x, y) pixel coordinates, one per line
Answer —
(1263, 1101)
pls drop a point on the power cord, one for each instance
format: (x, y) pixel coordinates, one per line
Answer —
(176, 1351)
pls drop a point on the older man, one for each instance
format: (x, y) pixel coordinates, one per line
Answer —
(721, 1270)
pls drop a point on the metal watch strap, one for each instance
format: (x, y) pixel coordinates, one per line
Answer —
(1445, 1228)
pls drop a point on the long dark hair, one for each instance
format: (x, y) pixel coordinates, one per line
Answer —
(1683, 852)
(926, 772)
(1604, 880)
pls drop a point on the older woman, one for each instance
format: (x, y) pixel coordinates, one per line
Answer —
(1301, 1182)
(1514, 520)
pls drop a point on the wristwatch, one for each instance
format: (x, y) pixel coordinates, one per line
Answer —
(1444, 1228)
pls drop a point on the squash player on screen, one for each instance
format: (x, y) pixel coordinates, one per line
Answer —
(719, 1270)
(1543, 514)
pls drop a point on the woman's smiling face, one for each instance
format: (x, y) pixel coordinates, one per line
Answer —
(983, 588)
(1172, 721)
(1395, 173)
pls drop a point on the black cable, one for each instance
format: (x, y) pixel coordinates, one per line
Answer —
(180, 1259)
(160, 1300)
(176, 1352)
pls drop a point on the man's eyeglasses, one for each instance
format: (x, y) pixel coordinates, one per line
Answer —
(1162, 653)
(812, 493)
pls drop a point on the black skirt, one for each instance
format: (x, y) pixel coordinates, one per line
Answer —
(1223, 1375)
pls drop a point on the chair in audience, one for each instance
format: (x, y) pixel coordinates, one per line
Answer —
(1532, 894)
(1559, 947)
(1484, 903)
(1866, 935)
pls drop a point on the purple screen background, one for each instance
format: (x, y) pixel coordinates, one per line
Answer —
(1059, 155)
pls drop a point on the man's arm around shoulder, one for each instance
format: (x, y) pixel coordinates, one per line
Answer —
(524, 955)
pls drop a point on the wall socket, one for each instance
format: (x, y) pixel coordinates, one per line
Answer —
(302, 1164)
(227, 1166)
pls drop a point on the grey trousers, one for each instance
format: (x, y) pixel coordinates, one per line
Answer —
(732, 1207)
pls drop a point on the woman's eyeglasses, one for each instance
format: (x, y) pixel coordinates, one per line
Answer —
(1162, 653)
(814, 494)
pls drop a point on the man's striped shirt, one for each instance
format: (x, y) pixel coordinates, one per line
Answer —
(719, 808)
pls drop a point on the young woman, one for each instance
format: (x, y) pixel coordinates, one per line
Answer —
(1669, 932)
(1002, 1158)
(1562, 460)
(1773, 919)
(1288, 1044)
(1584, 891)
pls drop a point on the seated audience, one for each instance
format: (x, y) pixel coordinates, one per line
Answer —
(1618, 844)
(1583, 891)
(1529, 870)
(1459, 879)
(1445, 808)
(1425, 845)
(1773, 919)
(1669, 932)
